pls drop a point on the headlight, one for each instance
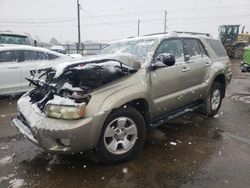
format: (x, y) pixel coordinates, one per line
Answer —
(65, 112)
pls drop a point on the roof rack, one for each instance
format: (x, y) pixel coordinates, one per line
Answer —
(192, 33)
(151, 34)
(155, 34)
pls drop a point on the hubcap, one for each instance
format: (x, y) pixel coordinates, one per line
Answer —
(215, 101)
(120, 135)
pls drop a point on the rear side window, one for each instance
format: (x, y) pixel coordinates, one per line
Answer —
(8, 56)
(30, 55)
(52, 56)
(217, 46)
(192, 48)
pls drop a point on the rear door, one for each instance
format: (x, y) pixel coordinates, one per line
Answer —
(10, 75)
(30, 60)
(169, 84)
(199, 64)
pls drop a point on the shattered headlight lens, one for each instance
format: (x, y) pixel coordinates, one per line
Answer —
(65, 112)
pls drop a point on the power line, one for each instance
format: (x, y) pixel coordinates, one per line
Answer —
(58, 20)
(98, 19)
(126, 22)
(175, 9)
(35, 22)
(116, 22)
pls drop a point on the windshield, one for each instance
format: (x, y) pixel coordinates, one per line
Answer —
(228, 30)
(139, 48)
(13, 39)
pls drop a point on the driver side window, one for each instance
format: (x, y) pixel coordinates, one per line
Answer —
(173, 46)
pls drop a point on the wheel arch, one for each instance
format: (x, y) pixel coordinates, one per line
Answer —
(221, 79)
(142, 106)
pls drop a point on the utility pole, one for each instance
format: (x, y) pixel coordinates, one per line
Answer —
(165, 21)
(79, 26)
(138, 28)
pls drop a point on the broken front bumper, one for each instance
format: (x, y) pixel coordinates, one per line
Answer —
(57, 135)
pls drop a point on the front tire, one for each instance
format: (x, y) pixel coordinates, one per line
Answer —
(213, 101)
(122, 136)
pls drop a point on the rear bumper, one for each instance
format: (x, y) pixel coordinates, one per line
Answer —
(56, 135)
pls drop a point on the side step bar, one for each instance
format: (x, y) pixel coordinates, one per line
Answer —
(179, 112)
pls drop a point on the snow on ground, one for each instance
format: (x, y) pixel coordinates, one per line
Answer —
(173, 143)
(17, 183)
(125, 170)
(6, 160)
(4, 147)
(6, 177)
(48, 168)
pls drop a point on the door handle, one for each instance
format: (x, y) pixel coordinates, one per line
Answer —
(207, 63)
(12, 67)
(185, 69)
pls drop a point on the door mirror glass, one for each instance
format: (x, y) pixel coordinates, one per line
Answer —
(167, 59)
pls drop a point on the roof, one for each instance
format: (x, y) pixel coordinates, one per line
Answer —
(12, 33)
(26, 47)
(161, 36)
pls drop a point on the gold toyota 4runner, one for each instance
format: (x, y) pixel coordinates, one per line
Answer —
(107, 102)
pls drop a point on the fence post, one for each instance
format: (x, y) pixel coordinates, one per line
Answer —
(77, 48)
(68, 49)
(83, 49)
(100, 48)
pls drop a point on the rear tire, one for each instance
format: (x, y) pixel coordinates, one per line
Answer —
(213, 101)
(122, 136)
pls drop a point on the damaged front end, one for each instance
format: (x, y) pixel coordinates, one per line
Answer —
(66, 96)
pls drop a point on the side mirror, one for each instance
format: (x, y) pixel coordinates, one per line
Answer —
(166, 58)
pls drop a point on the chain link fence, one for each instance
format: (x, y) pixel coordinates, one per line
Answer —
(86, 49)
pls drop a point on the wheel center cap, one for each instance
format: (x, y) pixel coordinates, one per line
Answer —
(120, 135)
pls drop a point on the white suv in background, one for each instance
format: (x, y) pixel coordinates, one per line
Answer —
(17, 61)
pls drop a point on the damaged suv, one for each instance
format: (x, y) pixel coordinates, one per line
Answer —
(108, 102)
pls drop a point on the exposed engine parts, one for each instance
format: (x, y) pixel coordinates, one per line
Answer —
(76, 81)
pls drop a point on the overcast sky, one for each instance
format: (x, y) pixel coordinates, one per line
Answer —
(107, 20)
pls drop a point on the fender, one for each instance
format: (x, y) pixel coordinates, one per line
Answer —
(123, 96)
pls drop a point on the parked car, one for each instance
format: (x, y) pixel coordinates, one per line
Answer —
(75, 56)
(245, 64)
(16, 62)
(59, 49)
(107, 102)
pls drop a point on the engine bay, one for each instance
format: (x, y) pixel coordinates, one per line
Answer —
(76, 81)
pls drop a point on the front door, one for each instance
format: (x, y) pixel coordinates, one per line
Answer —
(10, 75)
(168, 84)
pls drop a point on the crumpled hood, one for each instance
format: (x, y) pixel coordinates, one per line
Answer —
(127, 59)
